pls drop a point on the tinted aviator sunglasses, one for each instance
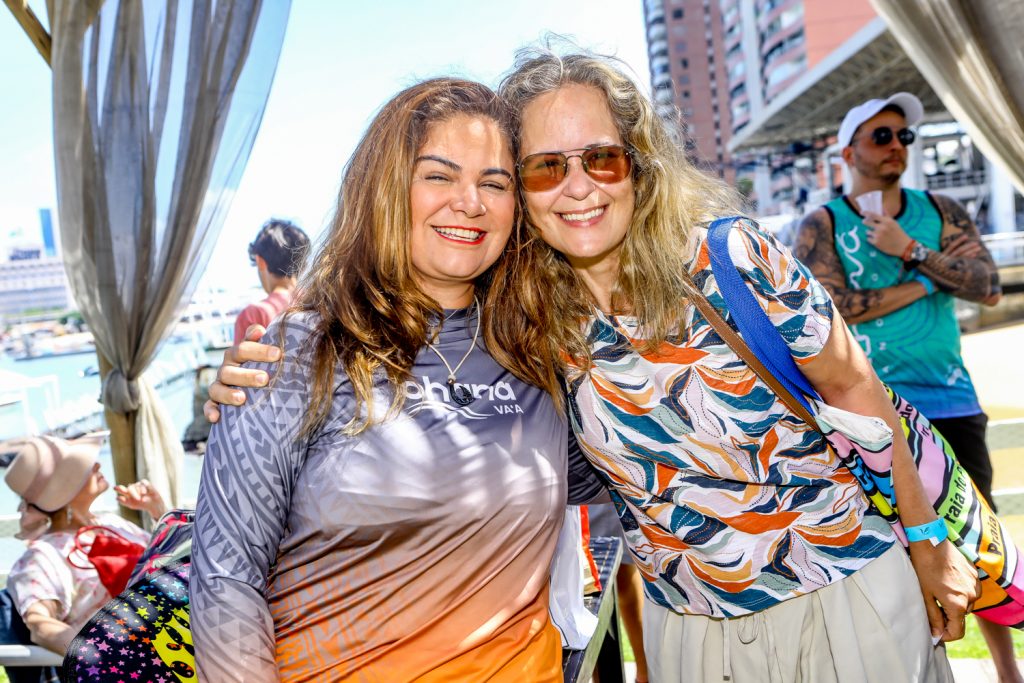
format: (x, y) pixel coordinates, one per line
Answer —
(546, 170)
(883, 135)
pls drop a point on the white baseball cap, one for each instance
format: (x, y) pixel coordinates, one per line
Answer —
(913, 112)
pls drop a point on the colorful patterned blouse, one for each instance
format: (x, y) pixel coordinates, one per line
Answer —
(44, 573)
(730, 503)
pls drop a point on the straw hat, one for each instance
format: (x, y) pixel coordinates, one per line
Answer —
(49, 472)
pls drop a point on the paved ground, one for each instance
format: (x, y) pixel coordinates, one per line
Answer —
(995, 359)
(970, 670)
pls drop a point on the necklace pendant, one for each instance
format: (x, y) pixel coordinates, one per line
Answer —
(460, 393)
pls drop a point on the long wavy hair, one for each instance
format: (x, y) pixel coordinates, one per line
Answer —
(373, 318)
(673, 199)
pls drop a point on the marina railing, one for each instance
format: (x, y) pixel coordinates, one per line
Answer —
(1007, 248)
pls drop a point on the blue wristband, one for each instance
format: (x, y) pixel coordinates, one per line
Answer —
(932, 531)
(929, 286)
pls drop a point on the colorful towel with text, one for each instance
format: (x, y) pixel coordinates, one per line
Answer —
(972, 525)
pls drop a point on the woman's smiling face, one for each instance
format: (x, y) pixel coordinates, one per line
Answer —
(462, 206)
(584, 219)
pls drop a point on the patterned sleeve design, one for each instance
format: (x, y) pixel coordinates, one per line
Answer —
(798, 305)
(250, 467)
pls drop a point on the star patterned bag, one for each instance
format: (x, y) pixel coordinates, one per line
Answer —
(143, 635)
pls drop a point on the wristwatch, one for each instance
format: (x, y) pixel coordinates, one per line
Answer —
(915, 256)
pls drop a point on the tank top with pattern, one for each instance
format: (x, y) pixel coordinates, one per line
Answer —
(916, 349)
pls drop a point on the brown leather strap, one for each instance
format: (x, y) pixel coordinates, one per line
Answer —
(736, 343)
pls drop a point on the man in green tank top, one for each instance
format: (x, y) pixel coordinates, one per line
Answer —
(894, 259)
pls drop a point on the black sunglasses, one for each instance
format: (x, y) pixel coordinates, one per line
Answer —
(883, 135)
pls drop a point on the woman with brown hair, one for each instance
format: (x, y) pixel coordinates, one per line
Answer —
(387, 509)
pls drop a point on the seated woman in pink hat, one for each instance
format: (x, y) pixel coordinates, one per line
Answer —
(56, 587)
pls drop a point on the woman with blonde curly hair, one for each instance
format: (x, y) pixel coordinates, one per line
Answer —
(387, 509)
(762, 557)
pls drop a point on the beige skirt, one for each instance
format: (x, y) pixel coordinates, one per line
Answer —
(871, 626)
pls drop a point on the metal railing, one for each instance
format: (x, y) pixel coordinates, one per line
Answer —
(944, 181)
(1007, 248)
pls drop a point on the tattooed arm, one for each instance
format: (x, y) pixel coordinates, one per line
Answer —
(973, 277)
(815, 246)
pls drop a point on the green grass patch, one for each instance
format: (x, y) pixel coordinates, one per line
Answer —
(972, 646)
(626, 646)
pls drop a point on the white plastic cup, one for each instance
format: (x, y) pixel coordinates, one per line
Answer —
(871, 202)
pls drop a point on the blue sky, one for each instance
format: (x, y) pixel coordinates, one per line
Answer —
(339, 63)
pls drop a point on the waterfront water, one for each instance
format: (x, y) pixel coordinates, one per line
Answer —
(63, 384)
(64, 374)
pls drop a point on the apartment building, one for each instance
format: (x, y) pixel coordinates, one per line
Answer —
(721, 62)
(684, 39)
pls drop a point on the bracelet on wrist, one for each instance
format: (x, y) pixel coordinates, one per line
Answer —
(934, 531)
(926, 282)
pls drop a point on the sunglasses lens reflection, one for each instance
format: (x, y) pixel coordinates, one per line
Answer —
(544, 171)
(881, 136)
(607, 164)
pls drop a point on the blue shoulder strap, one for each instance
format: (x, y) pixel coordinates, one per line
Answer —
(757, 329)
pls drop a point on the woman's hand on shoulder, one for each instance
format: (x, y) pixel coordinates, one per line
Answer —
(949, 584)
(230, 376)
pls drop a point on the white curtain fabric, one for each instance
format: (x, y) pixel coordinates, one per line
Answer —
(156, 104)
(970, 53)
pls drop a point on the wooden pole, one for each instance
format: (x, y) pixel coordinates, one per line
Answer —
(122, 444)
(24, 15)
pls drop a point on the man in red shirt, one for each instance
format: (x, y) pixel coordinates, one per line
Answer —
(279, 254)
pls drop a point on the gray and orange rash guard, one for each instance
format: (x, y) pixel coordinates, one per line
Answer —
(417, 550)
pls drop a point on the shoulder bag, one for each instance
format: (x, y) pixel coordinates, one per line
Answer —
(864, 444)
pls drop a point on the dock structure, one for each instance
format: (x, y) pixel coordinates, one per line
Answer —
(34, 405)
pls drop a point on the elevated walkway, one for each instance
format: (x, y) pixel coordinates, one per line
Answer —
(815, 103)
